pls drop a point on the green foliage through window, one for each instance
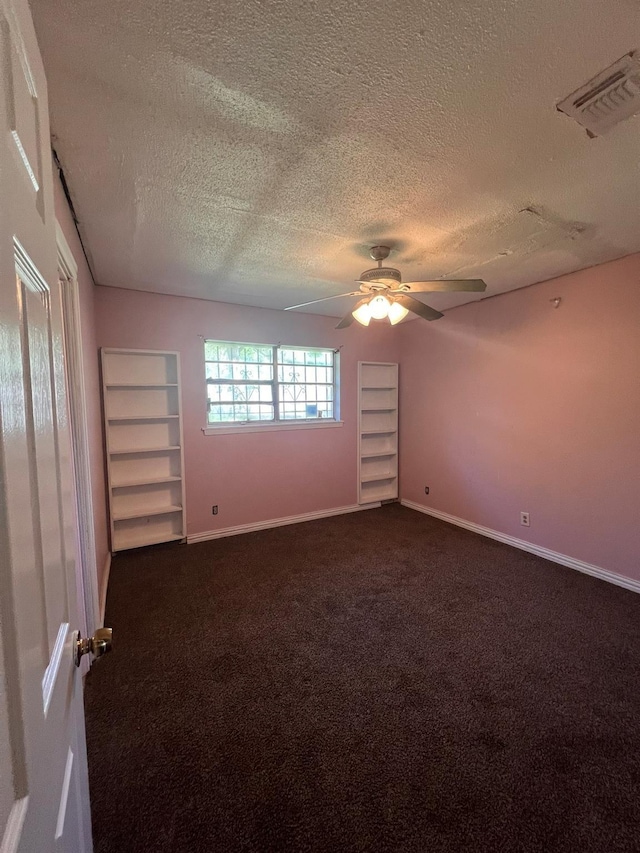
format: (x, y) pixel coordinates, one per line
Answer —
(252, 382)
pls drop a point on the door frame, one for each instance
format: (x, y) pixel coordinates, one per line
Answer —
(87, 569)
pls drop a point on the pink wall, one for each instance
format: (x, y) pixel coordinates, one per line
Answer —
(91, 375)
(510, 404)
(256, 476)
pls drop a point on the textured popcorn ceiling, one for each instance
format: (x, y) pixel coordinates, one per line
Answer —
(250, 152)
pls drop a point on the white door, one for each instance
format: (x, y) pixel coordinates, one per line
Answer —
(44, 799)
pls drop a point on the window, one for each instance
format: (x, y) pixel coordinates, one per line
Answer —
(253, 382)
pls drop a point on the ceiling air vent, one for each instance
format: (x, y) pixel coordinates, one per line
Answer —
(607, 99)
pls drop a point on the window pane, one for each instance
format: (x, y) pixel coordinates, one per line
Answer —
(240, 413)
(240, 381)
(251, 354)
(289, 392)
(247, 393)
(211, 351)
(212, 371)
(245, 371)
(304, 410)
(220, 393)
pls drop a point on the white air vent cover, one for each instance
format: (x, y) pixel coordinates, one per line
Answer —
(607, 99)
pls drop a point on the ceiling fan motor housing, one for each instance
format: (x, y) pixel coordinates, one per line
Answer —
(384, 277)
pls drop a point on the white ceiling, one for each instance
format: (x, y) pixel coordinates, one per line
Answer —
(251, 152)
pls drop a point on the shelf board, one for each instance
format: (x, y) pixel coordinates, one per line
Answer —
(379, 409)
(375, 454)
(378, 496)
(142, 418)
(377, 431)
(131, 450)
(143, 385)
(143, 513)
(151, 482)
(379, 387)
(375, 478)
(124, 543)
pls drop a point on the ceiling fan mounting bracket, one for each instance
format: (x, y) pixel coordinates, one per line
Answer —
(379, 253)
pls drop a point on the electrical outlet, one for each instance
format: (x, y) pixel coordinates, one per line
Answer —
(214, 509)
(524, 519)
(426, 490)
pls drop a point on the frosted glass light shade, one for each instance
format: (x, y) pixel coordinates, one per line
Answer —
(363, 314)
(396, 313)
(379, 307)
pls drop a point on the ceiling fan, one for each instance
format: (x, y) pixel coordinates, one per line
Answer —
(386, 295)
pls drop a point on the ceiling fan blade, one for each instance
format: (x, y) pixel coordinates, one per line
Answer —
(417, 307)
(324, 299)
(348, 319)
(446, 286)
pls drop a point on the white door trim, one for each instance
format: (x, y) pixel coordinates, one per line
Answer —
(13, 830)
(88, 572)
(104, 586)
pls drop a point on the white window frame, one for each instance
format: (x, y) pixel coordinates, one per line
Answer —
(278, 424)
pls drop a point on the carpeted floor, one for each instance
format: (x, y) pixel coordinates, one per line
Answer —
(379, 681)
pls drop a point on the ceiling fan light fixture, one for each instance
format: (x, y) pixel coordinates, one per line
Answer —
(362, 314)
(379, 306)
(397, 312)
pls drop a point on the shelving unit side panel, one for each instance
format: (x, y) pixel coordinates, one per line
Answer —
(181, 441)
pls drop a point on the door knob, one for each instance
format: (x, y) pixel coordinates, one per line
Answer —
(98, 645)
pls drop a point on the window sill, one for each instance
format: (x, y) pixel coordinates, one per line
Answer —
(230, 429)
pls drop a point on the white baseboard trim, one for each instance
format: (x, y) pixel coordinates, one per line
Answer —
(554, 556)
(103, 587)
(277, 522)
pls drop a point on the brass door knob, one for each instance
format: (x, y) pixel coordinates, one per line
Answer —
(98, 645)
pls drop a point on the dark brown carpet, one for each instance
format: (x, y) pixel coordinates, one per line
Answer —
(379, 681)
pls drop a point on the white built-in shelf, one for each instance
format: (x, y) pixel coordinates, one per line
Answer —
(378, 494)
(138, 385)
(128, 450)
(376, 478)
(143, 513)
(139, 540)
(142, 418)
(143, 434)
(378, 431)
(148, 482)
